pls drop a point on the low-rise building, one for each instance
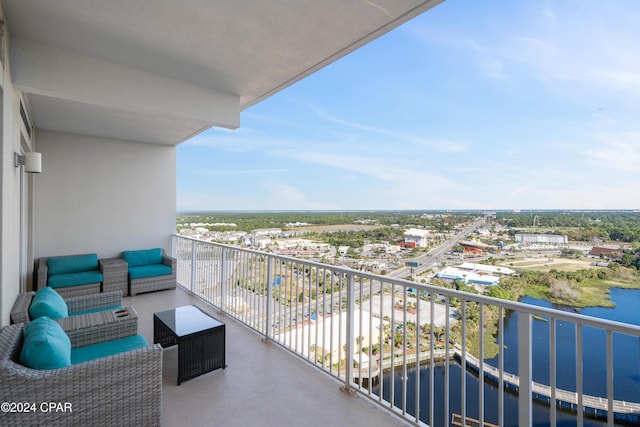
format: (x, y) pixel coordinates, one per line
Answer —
(544, 239)
(469, 277)
(382, 247)
(266, 232)
(419, 237)
(605, 252)
(486, 269)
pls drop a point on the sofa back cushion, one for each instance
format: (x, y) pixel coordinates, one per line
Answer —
(143, 257)
(47, 302)
(72, 264)
(45, 345)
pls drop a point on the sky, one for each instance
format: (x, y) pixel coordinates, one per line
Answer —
(519, 104)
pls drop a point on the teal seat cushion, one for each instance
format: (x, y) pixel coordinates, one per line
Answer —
(47, 302)
(72, 264)
(74, 279)
(107, 348)
(143, 257)
(145, 271)
(45, 345)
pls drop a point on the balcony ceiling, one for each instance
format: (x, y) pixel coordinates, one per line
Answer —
(162, 71)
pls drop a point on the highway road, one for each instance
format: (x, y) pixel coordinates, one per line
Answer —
(295, 311)
(435, 256)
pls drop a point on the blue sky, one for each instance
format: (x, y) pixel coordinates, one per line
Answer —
(526, 104)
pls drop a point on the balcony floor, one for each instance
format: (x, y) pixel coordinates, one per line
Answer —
(263, 384)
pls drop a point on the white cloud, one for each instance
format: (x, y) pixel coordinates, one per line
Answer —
(620, 152)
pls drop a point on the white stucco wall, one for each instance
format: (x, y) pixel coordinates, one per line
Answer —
(103, 196)
(10, 274)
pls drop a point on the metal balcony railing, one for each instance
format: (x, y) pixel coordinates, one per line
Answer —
(431, 355)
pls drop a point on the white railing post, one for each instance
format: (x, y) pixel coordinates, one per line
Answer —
(223, 281)
(269, 308)
(609, 351)
(194, 263)
(525, 414)
(348, 377)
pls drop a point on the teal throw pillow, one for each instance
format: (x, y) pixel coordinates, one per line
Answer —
(45, 345)
(47, 302)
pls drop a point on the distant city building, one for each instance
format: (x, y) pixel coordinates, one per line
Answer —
(259, 241)
(383, 247)
(483, 232)
(266, 231)
(600, 251)
(469, 277)
(301, 244)
(545, 239)
(488, 269)
(418, 237)
(475, 247)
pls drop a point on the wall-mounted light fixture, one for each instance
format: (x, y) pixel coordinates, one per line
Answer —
(31, 161)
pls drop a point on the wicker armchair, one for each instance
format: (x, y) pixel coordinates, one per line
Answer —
(124, 389)
(155, 283)
(85, 328)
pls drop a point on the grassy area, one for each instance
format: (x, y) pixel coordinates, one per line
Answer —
(591, 293)
(548, 264)
(596, 293)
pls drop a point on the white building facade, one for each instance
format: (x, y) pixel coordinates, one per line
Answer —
(419, 237)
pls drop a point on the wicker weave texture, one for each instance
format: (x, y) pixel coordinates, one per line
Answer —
(94, 301)
(156, 283)
(20, 310)
(124, 389)
(114, 275)
(102, 326)
(79, 290)
(201, 353)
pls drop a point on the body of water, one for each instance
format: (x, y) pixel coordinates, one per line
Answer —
(626, 367)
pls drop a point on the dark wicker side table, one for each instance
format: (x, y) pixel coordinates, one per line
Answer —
(200, 339)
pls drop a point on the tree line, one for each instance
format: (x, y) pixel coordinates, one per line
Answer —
(618, 226)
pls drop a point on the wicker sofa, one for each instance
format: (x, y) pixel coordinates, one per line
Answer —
(149, 270)
(70, 275)
(123, 389)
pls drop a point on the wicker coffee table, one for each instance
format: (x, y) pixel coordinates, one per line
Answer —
(200, 339)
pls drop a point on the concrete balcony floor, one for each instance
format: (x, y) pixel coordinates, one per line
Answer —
(263, 384)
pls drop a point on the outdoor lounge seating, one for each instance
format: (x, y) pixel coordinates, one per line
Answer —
(74, 305)
(116, 380)
(71, 275)
(82, 318)
(150, 270)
